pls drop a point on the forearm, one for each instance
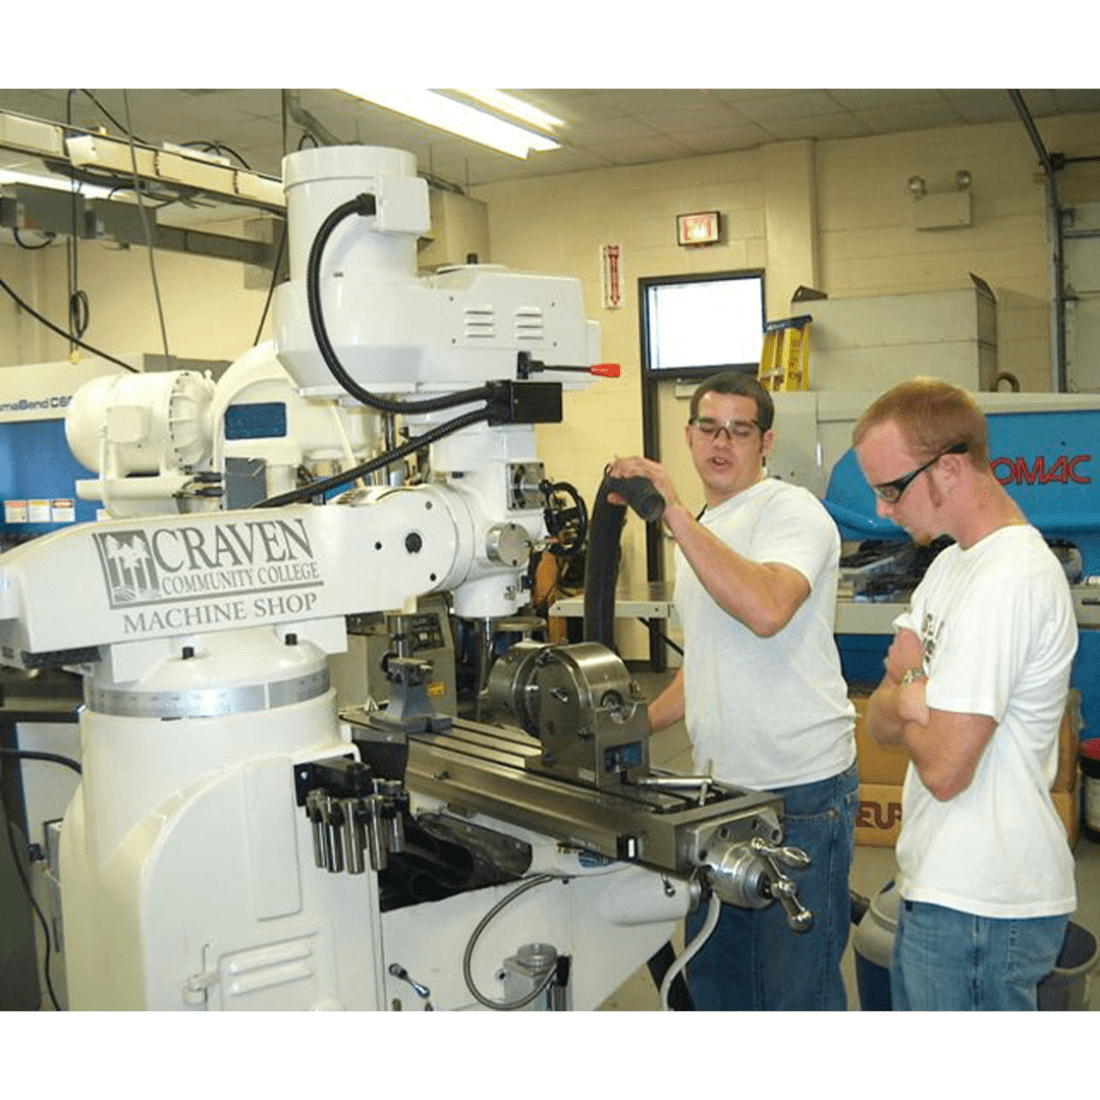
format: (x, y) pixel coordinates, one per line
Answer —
(900, 697)
(943, 746)
(888, 726)
(668, 707)
(749, 591)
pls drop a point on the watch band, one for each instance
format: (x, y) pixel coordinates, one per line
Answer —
(912, 674)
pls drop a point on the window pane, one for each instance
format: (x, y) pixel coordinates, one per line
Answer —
(707, 323)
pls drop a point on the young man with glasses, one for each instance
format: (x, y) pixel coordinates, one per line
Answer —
(761, 691)
(975, 687)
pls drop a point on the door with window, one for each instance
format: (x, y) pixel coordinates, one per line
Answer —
(692, 326)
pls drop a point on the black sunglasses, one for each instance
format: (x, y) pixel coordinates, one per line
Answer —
(890, 491)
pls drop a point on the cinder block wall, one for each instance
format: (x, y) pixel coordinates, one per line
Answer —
(836, 215)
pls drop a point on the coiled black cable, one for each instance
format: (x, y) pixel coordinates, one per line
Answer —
(601, 567)
(61, 332)
(49, 239)
(363, 205)
(467, 970)
(53, 758)
(79, 313)
(218, 148)
(50, 757)
(111, 118)
(35, 906)
(378, 463)
(274, 283)
(559, 522)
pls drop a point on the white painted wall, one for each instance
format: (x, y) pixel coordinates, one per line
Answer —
(208, 313)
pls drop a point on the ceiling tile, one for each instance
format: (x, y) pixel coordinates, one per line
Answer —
(786, 105)
(1039, 103)
(643, 150)
(568, 159)
(982, 104)
(589, 108)
(639, 101)
(890, 120)
(1076, 100)
(735, 95)
(619, 128)
(701, 116)
(604, 126)
(556, 93)
(837, 124)
(724, 138)
(858, 99)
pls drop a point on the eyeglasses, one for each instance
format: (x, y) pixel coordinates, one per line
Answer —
(890, 491)
(734, 429)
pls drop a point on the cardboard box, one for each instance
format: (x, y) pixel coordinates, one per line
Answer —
(886, 764)
(1069, 739)
(1068, 805)
(877, 763)
(878, 822)
(879, 819)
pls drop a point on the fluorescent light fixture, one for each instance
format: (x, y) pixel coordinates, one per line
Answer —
(458, 118)
(54, 183)
(517, 108)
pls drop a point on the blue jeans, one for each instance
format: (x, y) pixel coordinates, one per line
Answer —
(948, 961)
(753, 961)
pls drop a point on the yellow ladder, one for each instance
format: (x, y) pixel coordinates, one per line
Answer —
(785, 359)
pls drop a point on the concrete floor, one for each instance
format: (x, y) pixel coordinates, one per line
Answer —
(872, 869)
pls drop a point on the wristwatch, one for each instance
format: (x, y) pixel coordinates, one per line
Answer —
(912, 674)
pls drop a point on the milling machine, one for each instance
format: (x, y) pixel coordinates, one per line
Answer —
(237, 842)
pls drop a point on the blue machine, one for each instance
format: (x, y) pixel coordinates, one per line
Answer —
(37, 465)
(1046, 463)
(38, 472)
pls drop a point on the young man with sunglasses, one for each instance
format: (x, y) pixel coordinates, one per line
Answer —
(975, 687)
(761, 691)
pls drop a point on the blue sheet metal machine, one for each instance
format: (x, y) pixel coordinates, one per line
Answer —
(1046, 462)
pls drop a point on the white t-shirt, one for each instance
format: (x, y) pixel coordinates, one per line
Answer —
(999, 635)
(767, 712)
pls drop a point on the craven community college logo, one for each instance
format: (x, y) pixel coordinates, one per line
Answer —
(166, 578)
(129, 568)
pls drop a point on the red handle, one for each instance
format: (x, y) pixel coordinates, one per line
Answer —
(605, 370)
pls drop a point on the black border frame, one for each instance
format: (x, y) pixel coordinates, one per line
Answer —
(698, 214)
(703, 370)
(650, 380)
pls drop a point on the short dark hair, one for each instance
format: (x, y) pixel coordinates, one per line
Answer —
(738, 384)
